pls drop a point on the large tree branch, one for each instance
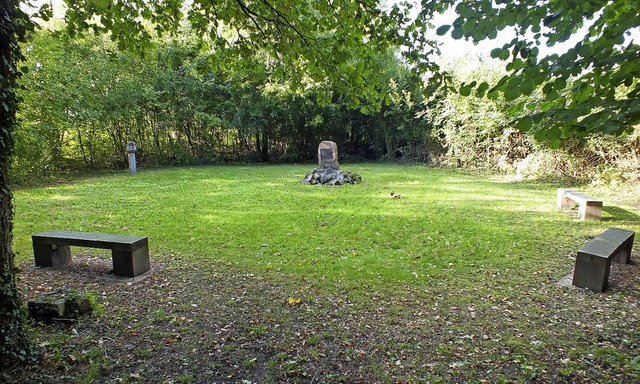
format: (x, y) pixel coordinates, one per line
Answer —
(253, 17)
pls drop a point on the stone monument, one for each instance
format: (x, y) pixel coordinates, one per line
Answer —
(328, 172)
(131, 150)
(328, 155)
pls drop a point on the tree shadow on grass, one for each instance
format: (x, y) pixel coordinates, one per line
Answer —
(619, 214)
(81, 272)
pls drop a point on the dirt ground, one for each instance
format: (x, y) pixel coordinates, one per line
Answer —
(213, 323)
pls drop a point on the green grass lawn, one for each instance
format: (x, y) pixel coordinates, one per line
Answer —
(455, 281)
(262, 218)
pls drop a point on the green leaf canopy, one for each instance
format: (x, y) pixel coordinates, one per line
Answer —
(306, 41)
(593, 87)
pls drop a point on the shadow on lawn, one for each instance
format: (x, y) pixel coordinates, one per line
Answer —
(619, 214)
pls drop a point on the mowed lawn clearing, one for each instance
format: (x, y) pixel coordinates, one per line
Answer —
(258, 278)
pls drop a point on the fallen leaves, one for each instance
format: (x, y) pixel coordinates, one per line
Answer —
(242, 328)
(293, 301)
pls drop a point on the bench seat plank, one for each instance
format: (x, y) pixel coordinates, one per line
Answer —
(92, 240)
(608, 242)
(579, 197)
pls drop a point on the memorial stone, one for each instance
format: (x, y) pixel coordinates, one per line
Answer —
(328, 155)
(328, 172)
(131, 150)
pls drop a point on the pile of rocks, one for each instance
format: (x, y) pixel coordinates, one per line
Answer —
(328, 172)
(330, 176)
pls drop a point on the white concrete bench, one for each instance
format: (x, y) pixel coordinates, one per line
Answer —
(130, 254)
(594, 258)
(588, 207)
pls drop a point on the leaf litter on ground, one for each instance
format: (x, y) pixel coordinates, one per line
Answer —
(215, 323)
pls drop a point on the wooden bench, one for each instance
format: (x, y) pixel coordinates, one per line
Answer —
(130, 254)
(588, 209)
(594, 258)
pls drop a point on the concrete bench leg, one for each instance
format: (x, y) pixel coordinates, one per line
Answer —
(130, 263)
(51, 255)
(590, 210)
(623, 255)
(591, 272)
(562, 201)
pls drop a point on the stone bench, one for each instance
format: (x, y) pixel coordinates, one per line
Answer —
(130, 254)
(594, 258)
(588, 207)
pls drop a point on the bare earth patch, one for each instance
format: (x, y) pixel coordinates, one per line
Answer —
(212, 323)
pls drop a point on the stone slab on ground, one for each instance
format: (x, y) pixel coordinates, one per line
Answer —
(59, 305)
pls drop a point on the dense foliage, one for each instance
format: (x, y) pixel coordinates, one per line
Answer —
(302, 42)
(479, 133)
(592, 88)
(83, 100)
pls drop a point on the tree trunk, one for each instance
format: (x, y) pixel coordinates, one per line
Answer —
(258, 140)
(81, 144)
(15, 346)
(264, 154)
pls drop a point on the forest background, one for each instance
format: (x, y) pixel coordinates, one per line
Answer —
(82, 100)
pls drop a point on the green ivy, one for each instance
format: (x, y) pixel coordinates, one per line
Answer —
(15, 345)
